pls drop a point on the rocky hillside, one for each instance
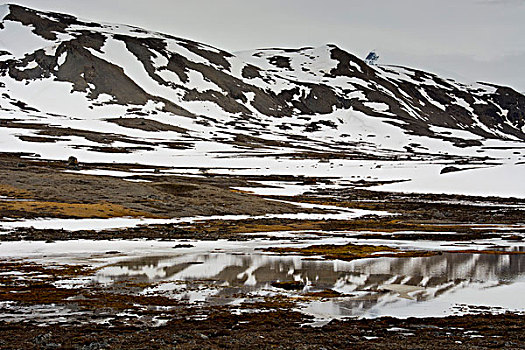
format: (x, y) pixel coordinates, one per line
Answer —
(67, 79)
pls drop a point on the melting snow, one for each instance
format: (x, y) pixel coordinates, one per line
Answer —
(500, 181)
(10, 38)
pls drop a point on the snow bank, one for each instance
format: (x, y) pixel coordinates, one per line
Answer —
(501, 181)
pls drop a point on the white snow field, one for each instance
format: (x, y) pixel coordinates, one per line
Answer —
(369, 139)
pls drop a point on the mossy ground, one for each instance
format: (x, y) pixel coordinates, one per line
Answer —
(14, 192)
(350, 252)
(103, 210)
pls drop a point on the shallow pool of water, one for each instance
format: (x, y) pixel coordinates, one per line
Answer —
(401, 287)
(235, 273)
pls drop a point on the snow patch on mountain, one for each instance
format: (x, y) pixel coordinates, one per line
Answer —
(309, 111)
(12, 33)
(4, 11)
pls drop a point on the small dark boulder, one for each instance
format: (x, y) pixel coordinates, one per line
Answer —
(449, 169)
(183, 246)
(72, 162)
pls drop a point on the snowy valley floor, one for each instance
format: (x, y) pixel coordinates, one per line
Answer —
(144, 258)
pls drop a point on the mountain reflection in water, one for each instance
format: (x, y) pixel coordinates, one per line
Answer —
(400, 287)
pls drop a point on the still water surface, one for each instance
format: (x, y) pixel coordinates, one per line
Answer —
(402, 287)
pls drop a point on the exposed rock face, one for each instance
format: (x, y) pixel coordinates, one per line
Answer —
(157, 73)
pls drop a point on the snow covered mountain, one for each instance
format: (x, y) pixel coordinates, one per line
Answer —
(106, 92)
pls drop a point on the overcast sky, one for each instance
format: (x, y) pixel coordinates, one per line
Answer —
(470, 40)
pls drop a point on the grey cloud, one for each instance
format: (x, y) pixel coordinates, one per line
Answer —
(410, 32)
(502, 2)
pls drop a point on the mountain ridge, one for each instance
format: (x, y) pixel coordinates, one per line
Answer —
(306, 97)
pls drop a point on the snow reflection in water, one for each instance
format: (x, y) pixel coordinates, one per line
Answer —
(401, 287)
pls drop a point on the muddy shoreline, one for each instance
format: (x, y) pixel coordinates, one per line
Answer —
(279, 329)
